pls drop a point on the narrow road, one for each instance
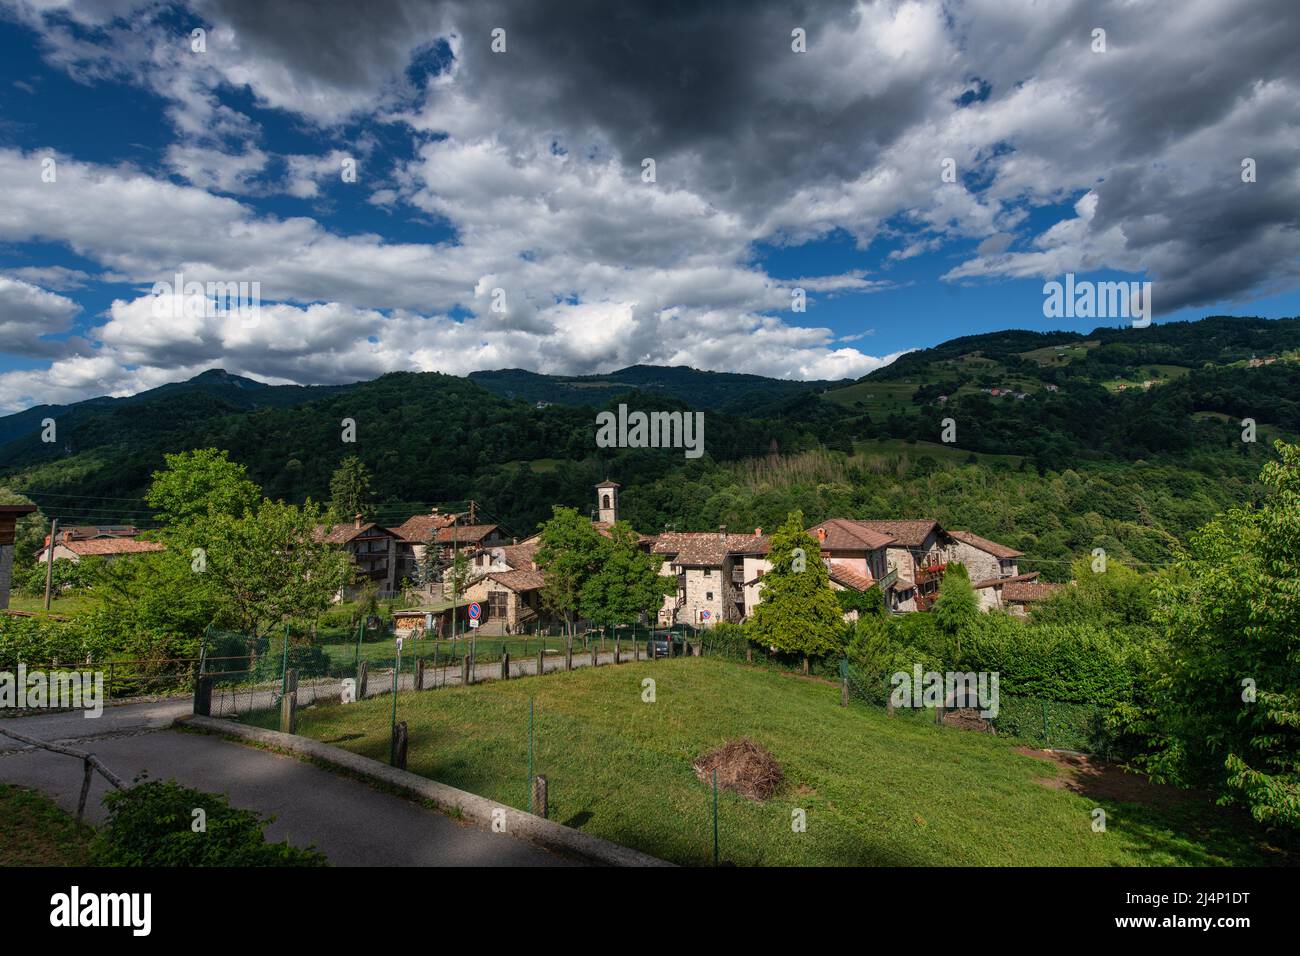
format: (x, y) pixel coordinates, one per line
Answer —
(351, 823)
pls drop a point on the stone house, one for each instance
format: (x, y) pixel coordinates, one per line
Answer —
(9, 515)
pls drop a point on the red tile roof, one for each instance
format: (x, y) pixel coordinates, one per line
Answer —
(985, 545)
(418, 529)
(845, 534)
(850, 578)
(464, 533)
(1012, 579)
(344, 532)
(1025, 592)
(518, 580)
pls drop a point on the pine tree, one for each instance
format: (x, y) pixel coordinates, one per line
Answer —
(798, 612)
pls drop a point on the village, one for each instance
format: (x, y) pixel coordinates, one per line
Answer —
(719, 574)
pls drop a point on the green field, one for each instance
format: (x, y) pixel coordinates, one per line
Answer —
(68, 605)
(876, 790)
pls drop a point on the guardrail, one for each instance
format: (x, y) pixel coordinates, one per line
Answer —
(90, 763)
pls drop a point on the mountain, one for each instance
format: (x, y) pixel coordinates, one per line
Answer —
(724, 391)
(85, 424)
(1121, 438)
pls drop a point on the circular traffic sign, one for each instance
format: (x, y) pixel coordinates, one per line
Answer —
(475, 611)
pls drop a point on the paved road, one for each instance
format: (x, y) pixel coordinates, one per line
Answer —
(350, 822)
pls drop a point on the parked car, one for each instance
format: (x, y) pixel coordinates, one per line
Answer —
(658, 643)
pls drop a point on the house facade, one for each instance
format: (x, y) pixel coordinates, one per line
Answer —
(9, 515)
(373, 550)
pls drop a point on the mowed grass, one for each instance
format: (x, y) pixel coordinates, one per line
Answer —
(875, 790)
(35, 832)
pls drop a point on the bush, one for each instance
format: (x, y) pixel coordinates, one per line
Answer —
(151, 824)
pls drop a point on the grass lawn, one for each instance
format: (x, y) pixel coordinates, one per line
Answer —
(69, 605)
(35, 832)
(875, 790)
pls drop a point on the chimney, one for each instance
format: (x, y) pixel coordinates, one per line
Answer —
(356, 520)
(722, 532)
(758, 532)
(821, 534)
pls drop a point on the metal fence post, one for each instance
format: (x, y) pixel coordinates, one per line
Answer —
(715, 816)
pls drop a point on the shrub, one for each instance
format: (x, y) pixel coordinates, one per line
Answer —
(151, 824)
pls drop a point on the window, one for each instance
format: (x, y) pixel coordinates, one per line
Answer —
(708, 596)
(497, 602)
(708, 572)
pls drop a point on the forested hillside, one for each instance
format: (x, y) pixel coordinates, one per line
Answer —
(1124, 439)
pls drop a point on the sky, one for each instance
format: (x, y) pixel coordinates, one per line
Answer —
(461, 186)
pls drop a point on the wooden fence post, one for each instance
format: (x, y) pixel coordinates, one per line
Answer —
(595, 648)
(363, 675)
(539, 797)
(85, 788)
(398, 752)
(541, 660)
(505, 665)
(464, 670)
(616, 650)
(636, 649)
(289, 703)
(568, 654)
(844, 691)
(419, 673)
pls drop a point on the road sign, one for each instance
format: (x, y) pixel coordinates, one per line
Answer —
(399, 645)
(475, 612)
(473, 622)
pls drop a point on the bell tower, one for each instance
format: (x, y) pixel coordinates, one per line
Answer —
(607, 501)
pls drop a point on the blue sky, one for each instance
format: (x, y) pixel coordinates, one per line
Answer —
(499, 216)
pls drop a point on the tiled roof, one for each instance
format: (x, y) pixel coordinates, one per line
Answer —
(464, 533)
(520, 557)
(908, 534)
(1023, 592)
(701, 548)
(344, 532)
(97, 546)
(845, 534)
(847, 576)
(518, 580)
(992, 582)
(985, 545)
(418, 529)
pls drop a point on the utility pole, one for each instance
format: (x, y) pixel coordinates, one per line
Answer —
(49, 561)
(455, 585)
